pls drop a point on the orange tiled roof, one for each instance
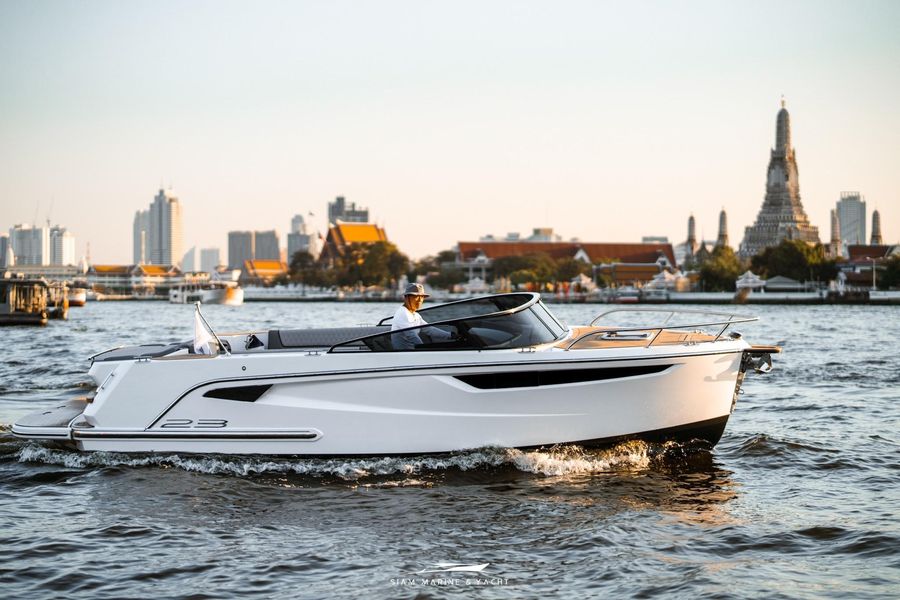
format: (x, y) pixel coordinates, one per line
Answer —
(630, 253)
(620, 272)
(357, 233)
(265, 268)
(113, 269)
(156, 269)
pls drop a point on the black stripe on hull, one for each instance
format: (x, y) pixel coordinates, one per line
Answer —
(708, 432)
(140, 437)
(401, 370)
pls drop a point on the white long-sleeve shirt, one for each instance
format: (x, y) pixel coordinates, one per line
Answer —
(407, 340)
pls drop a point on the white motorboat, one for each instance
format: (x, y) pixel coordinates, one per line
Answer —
(492, 371)
(210, 292)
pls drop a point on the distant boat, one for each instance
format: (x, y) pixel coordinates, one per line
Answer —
(78, 292)
(290, 293)
(213, 292)
(625, 295)
(77, 297)
(32, 301)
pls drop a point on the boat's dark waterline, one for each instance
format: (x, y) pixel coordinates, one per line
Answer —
(706, 433)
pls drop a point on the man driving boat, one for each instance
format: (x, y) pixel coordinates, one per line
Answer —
(407, 316)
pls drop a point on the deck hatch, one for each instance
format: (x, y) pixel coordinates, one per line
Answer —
(522, 379)
(244, 393)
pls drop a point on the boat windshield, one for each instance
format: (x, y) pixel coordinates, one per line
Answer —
(489, 323)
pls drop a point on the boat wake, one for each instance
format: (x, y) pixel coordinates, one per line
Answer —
(558, 461)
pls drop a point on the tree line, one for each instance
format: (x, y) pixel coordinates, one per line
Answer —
(382, 264)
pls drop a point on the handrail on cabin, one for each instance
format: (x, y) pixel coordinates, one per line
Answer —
(727, 321)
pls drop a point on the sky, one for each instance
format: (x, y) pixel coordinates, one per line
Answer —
(607, 121)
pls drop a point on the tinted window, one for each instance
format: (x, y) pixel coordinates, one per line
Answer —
(516, 330)
(471, 308)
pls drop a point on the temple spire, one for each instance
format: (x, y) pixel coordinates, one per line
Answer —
(835, 247)
(781, 216)
(783, 131)
(877, 240)
(722, 239)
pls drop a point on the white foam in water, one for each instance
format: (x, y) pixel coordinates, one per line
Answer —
(572, 460)
(566, 460)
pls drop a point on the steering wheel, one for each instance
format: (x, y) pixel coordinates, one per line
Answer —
(466, 335)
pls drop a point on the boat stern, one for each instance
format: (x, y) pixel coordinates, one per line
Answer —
(51, 424)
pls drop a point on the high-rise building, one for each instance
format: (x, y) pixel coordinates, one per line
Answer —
(266, 246)
(851, 210)
(165, 247)
(30, 244)
(4, 246)
(240, 248)
(301, 242)
(298, 224)
(877, 240)
(781, 216)
(141, 237)
(339, 210)
(209, 259)
(189, 261)
(300, 239)
(62, 246)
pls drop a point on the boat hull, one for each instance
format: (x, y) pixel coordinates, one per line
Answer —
(77, 297)
(352, 405)
(227, 295)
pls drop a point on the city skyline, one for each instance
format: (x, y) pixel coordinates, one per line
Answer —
(604, 122)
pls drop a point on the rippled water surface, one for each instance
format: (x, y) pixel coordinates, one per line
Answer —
(799, 499)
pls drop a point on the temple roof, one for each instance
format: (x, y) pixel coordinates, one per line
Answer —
(860, 252)
(626, 253)
(356, 233)
(264, 268)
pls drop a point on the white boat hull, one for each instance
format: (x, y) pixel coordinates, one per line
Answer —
(227, 295)
(347, 404)
(77, 297)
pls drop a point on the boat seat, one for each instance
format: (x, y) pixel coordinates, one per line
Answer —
(145, 351)
(318, 338)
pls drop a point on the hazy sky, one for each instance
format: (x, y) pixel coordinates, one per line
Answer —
(449, 120)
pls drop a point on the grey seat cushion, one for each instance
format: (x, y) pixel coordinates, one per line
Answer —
(319, 338)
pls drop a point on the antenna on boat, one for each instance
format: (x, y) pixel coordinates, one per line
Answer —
(203, 331)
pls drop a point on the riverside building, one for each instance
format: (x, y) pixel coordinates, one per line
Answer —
(781, 216)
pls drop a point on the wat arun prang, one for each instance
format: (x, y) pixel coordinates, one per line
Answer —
(781, 216)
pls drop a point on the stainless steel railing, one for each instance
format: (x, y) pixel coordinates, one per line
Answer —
(652, 332)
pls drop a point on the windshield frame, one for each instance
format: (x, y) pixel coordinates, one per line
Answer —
(530, 300)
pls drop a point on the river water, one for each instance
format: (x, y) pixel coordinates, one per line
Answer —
(799, 499)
